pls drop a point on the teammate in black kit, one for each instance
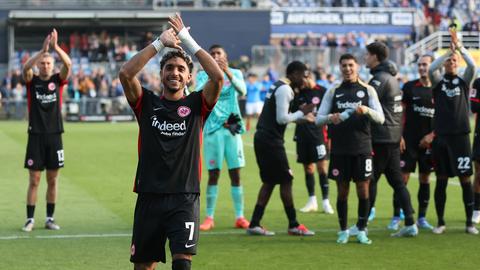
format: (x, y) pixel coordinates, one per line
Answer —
(311, 147)
(451, 145)
(170, 138)
(416, 141)
(475, 106)
(270, 151)
(349, 108)
(386, 137)
(45, 125)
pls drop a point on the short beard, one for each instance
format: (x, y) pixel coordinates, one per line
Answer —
(171, 90)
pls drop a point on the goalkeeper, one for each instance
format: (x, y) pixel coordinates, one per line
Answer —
(222, 139)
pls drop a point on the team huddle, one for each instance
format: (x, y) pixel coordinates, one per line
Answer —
(363, 129)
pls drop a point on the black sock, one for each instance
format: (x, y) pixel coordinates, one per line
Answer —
(467, 192)
(363, 209)
(310, 181)
(406, 204)
(181, 264)
(324, 185)
(342, 212)
(423, 198)
(50, 210)
(440, 197)
(30, 211)
(372, 193)
(477, 201)
(396, 205)
(292, 216)
(257, 216)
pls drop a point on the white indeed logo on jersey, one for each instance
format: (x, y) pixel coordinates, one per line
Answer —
(169, 129)
(424, 111)
(451, 92)
(348, 105)
(46, 98)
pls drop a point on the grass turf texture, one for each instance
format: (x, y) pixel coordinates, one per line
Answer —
(96, 202)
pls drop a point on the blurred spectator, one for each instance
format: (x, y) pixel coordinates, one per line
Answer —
(266, 84)
(86, 87)
(254, 104)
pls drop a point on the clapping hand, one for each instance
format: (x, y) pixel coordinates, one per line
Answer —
(46, 43)
(54, 38)
(170, 39)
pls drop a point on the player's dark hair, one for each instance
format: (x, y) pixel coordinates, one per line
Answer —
(216, 46)
(379, 49)
(180, 54)
(347, 56)
(296, 66)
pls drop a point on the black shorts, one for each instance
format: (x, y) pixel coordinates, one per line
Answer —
(386, 160)
(452, 155)
(44, 151)
(476, 147)
(345, 168)
(161, 216)
(311, 152)
(413, 154)
(272, 162)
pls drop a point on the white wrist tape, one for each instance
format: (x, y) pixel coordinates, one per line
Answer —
(158, 45)
(188, 41)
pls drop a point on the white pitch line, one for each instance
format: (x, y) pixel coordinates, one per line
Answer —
(236, 232)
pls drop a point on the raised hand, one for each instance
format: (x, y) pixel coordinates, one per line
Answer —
(46, 43)
(454, 37)
(176, 23)
(170, 39)
(54, 38)
(222, 63)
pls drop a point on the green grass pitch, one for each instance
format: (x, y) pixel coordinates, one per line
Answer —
(95, 209)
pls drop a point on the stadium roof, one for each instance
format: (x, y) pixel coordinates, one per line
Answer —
(89, 14)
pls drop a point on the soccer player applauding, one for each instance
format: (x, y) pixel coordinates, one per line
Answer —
(169, 142)
(451, 145)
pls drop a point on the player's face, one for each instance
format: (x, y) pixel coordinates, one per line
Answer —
(175, 75)
(370, 59)
(45, 66)
(218, 53)
(451, 64)
(423, 66)
(299, 79)
(349, 69)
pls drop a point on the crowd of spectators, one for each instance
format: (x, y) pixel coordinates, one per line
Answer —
(350, 39)
(350, 3)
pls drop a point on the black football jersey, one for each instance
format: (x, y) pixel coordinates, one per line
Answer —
(45, 104)
(309, 132)
(353, 136)
(169, 143)
(450, 97)
(475, 102)
(419, 110)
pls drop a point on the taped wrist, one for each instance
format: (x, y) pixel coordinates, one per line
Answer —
(188, 41)
(158, 45)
